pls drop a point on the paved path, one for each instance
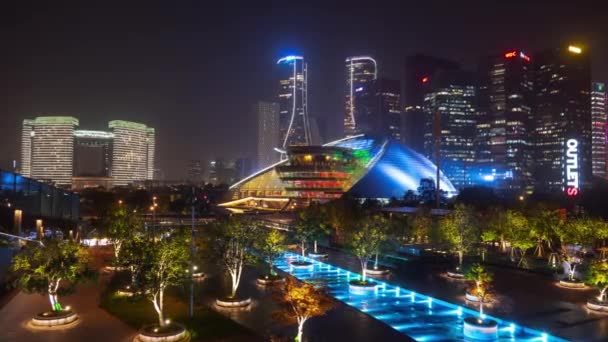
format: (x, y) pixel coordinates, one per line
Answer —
(95, 324)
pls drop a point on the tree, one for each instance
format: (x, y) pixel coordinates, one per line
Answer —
(121, 226)
(53, 269)
(459, 230)
(342, 215)
(496, 227)
(232, 242)
(300, 302)
(165, 264)
(271, 244)
(520, 236)
(582, 231)
(421, 224)
(482, 279)
(309, 227)
(598, 277)
(543, 223)
(366, 241)
(134, 255)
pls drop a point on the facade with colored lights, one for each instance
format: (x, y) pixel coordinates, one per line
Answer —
(562, 120)
(360, 72)
(133, 152)
(363, 166)
(599, 112)
(504, 143)
(293, 102)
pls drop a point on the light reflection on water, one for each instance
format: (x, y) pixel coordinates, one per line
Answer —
(420, 317)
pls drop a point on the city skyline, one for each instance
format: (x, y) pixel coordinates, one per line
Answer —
(109, 74)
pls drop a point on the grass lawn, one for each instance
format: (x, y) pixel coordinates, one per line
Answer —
(205, 325)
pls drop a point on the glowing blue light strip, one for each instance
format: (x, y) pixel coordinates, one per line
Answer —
(289, 59)
(338, 287)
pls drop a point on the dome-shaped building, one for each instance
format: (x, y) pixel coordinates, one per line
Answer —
(362, 166)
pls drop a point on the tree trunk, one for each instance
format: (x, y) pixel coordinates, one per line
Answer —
(503, 244)
(538, 252)
(376, 262)
(300, 330)
(522, 260)
(603, 294)
(302, 246)
(363, 270)
(460, 257)
(480, 306)
(316, 247)
(157, 300)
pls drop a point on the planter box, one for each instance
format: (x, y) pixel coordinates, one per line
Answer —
(572, 284)
(51, 319)
(356, 287)
(147, 334)
(233, 302)
(596, 305)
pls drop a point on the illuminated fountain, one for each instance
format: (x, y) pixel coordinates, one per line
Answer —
(416, 315)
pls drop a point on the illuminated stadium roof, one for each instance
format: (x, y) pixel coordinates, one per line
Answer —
(362, 166)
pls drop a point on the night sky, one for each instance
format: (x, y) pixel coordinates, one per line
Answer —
(193, 71)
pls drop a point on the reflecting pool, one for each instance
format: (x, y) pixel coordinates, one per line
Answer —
(420, 317)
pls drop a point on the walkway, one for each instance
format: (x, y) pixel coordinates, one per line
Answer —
(95, 324)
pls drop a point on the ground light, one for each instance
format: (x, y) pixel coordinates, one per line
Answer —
(404, 310)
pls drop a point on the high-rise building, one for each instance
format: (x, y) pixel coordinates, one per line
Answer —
(562, 120)
(194, 173)
(267, 114)
(47, 148)
(599, 113)
(420, 70)
(133, 152)
(243, 167)
(360, 72)
(293, 102)
(379, 111)
(452, 116)
(221, 172)
(504, 143)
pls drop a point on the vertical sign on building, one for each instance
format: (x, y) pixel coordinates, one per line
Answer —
(572, 168)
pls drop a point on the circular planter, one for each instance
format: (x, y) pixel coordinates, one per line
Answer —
(377, 271)
(233, 302)
(125, 292)
(455, 274)
(358, 287)
(301, 264)
(317, 255)
(480, 329)
(474, 298)
(597, 305)
(153, 333)
(269, 280)
(54, 319)
(572, 284)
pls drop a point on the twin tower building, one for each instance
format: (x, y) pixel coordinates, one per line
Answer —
(53, 149)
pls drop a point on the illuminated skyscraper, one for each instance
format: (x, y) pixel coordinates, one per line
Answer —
(267, 114)
(133, 152)
(562, 120)
(420, 72)
(360, 72)
(47, 148)
(450, 105)
(293, 115)
(599, 111)
(504, 135)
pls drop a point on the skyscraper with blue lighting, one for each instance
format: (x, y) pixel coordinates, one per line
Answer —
(292, 97)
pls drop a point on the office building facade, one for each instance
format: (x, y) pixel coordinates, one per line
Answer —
(599, 112)
(504, 143)
(268, 133)
(360, 72)
(562, 120)
(420, 72)
(451, 119)
(293, 102)
(47, 151)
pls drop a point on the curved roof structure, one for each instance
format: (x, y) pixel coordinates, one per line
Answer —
(363, 166)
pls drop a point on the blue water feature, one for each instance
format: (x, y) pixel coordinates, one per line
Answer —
(420, 317)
